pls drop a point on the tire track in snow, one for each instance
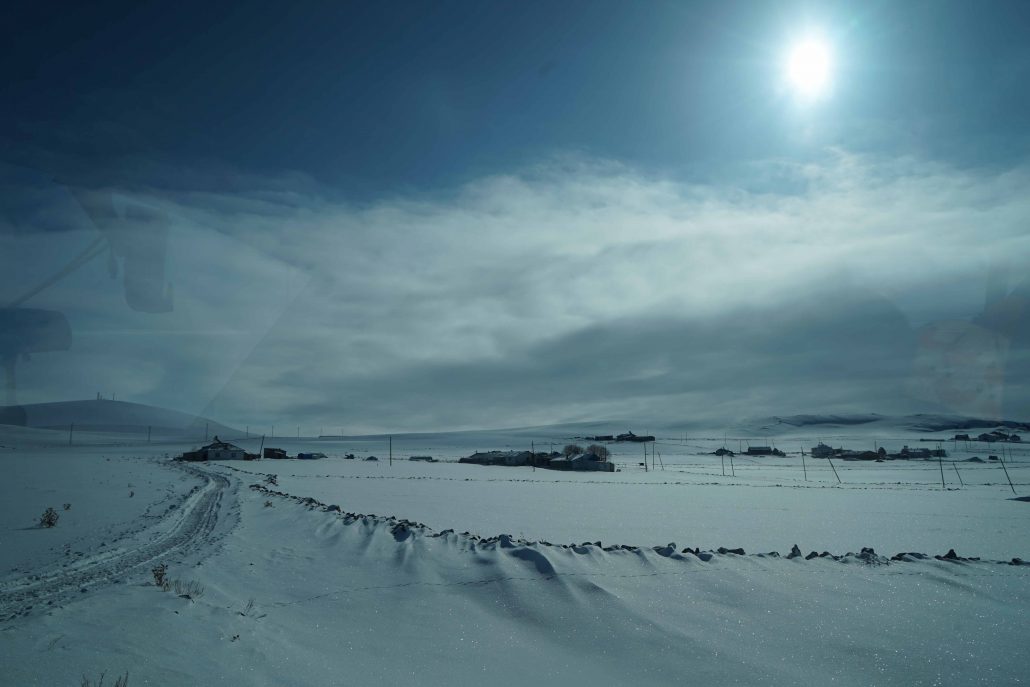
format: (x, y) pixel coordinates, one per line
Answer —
(183, 530)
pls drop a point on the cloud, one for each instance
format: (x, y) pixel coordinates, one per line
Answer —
(575, 289)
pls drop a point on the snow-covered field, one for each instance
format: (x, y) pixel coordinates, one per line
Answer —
(344, 599)
(892, 506)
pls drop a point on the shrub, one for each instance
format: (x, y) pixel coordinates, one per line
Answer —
(160, 573)
(572, 450)
(188, 590)
(268, 504)
(67, 506)
(601, 452)
(122, 681)
(273, 480)
(49, 518)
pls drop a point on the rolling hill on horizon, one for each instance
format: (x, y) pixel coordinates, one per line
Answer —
(111, 416)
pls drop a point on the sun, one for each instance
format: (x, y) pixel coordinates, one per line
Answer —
(809, 67)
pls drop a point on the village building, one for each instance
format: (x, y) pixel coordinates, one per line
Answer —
(822, 451)
(582, 462)
(216, 450)
(763, 451)
(512, 458)
(630, 436)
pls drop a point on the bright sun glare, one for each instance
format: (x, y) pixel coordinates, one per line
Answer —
(809, 65)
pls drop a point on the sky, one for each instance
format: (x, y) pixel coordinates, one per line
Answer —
(357, 217)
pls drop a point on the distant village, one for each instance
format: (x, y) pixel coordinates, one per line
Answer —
(223, 450)
(595, 457)
(880, 454)
(573, 457)
(990, 437)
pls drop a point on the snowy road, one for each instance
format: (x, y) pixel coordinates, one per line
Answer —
(180, 531)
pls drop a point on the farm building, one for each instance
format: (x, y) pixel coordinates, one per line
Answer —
(311, 456)
(822, 451)
(763, 451)
(499, 458)
(630, 436)
(276, 453)
(216, 450)
(860, 455)
(424, 459)
(583, 462)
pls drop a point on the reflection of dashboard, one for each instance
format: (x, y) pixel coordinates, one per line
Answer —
(24, 331)
(138, 234)
(131, 231)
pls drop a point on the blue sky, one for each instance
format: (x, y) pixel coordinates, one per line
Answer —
(448, 200)
(369, 98)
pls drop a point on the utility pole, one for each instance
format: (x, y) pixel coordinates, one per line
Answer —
(248, 431)
(532, 454)
(645, 456)
(830, 461)
(391, 451)
(803, 466)
(1006, 470)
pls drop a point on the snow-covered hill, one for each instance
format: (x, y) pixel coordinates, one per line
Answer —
(112, 417)
(868, 422)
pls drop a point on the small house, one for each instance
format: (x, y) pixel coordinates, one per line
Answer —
(424, 459)
(218, 450)
(910, 453)
(630, 436)
(276, 453)
(822, 451)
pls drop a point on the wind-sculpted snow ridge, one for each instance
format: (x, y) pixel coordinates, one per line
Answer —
(178, 531)
(403, 529)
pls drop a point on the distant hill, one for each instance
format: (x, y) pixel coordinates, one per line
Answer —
(111, 417)
(917, 423)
